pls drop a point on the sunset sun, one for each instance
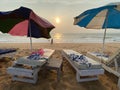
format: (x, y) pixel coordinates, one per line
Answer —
(57, 20)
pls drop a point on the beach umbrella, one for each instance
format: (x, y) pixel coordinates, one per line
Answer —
(23, 21)
(104, 17)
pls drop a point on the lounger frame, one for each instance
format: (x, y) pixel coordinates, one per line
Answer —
(114, 58)
(19, 73)
(92, 73)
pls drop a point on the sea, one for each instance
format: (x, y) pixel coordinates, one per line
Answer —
(64, 38)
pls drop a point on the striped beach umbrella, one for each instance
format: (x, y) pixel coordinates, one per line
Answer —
(104, 17)
(23, 21)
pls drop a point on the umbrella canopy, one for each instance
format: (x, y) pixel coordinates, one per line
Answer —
(23, 21)
(100, 18)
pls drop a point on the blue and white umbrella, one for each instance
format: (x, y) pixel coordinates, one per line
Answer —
(100, 18)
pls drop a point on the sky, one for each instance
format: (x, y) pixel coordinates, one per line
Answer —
(60, 13)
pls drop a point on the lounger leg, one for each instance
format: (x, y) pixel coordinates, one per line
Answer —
(118, 83)
(116, 65)
(32, 80)
(58, 74)
(78, 77)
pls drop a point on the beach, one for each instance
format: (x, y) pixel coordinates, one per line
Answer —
(68, 81)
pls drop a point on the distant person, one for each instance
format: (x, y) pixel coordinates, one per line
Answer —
(52, 41)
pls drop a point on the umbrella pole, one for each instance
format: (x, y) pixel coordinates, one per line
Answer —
(30, 36)
(31, 43)
(103, 47)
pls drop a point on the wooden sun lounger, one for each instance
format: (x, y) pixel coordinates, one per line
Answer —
(92, 73)
(26, 70)
(110, 64)
(55, 65)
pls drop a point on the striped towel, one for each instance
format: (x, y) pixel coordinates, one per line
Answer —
(81, 59)
(34, 56)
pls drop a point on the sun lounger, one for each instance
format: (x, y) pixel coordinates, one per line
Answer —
(24, 60)
(26, 70)
(83, 69)
(104, 58)
(110, 64)
(55, 65)
(4, 51)
(7, 52)
(112, 60)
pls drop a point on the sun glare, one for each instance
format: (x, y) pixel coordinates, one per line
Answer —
(57, 36)
(57, 20)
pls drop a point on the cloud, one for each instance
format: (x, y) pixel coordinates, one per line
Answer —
(80, 3)
(29, 1)
(63, 1)
(19, 1)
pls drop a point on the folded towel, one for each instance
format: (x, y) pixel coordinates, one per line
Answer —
(100, 54)
(81, 59)
(40, 52)
(35, 56)
(77, 57)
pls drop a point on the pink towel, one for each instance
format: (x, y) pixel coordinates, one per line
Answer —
(40, 52)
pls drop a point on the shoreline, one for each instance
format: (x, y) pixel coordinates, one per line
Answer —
(65, 42)
(36, 45)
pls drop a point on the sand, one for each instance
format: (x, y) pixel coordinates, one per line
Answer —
(68, 81)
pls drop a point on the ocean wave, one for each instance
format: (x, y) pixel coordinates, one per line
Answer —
(63, 38)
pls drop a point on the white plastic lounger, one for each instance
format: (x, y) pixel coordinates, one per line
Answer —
(110, 64)
(82, 69)
(26, 70)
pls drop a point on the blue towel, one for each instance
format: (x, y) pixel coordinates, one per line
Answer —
(104, 55)
(36, 56)
(100, 54)
(77, 57)
(81, 59)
